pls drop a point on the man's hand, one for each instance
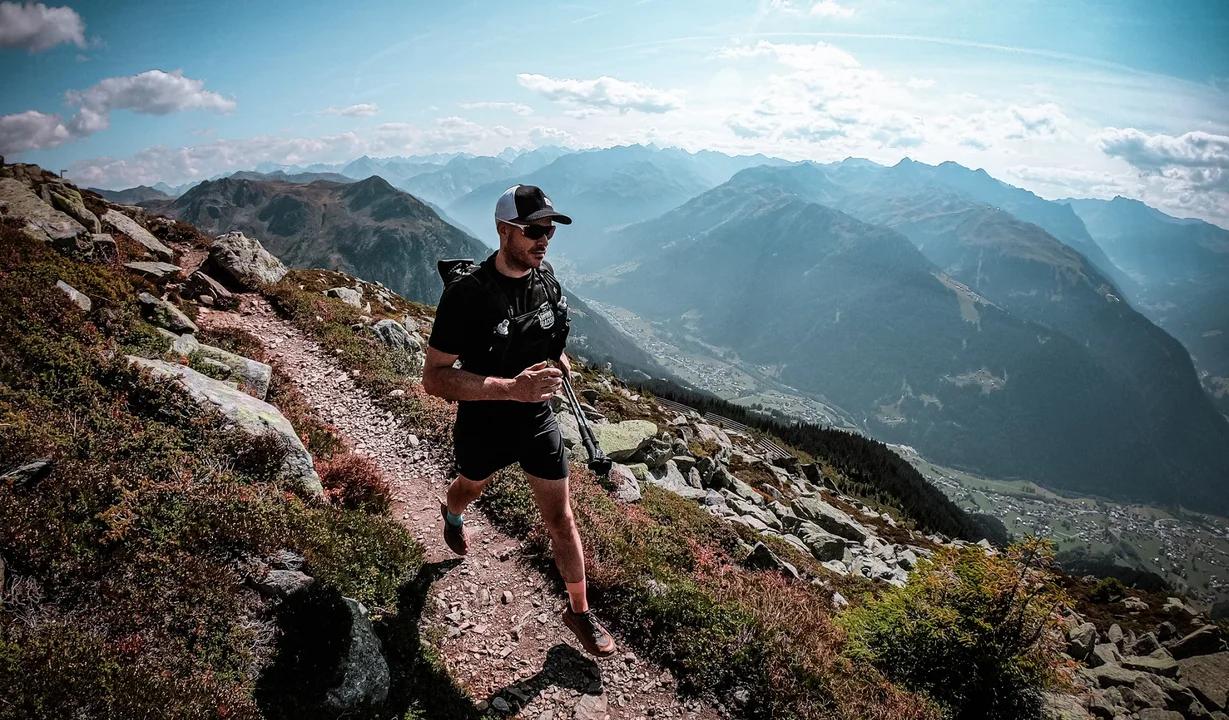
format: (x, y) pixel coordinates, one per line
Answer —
(536, 383)
(565, 364)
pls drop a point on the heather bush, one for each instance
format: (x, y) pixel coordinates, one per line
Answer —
(356, 482)
(979, 633)
(1108, 590)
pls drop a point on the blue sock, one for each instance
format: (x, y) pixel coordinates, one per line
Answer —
(455, 520)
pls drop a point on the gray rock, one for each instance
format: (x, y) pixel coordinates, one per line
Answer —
(163, 314)
(685, 463)
(837, 567)
(133, 231)
(201, 285)
(1159, 714)
(288, 560)
(713, 499)
(349, 296)
(640, 470)
(1165, 631)
(41, 219)
(365, 678)
(750, 521)
(569, 429)
(829, 518)
(1204, 641)
(253, 416)
(1156, 666)
(68, 201)
(1134, 604)
(103, 248)
(1104, 654)
(1111, 675)
(1208, 677)
(155, 272)
(1144, 645)
(284, 583)
(712, 433)
(246, 260)
(1114, 635)
(788, 519)
(254, 375)
(873, 568)
(763, 558)
(823, 545)
(394, 335)
(28, 474)
(721, 477)
(745, 491)
(669, 478)
(907, 559)
(75, 297)
(621, 440)
(626, 487)
(654, 453)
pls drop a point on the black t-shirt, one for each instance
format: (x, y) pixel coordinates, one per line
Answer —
(466, 316)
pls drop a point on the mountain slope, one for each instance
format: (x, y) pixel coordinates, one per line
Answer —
(457, 178)
(857, 313)
(132, 196)
(372, 230)
(1181, 273)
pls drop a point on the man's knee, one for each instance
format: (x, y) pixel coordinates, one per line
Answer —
(559, 520)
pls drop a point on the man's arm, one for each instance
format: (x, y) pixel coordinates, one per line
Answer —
(440, 378)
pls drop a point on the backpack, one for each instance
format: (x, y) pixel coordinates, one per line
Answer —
(556, 323)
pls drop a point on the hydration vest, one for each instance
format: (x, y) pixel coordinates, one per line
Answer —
(514, 342)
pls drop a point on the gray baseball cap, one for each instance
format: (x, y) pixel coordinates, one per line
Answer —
(526, 203)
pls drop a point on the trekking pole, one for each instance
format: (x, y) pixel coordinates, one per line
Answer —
(598, 462)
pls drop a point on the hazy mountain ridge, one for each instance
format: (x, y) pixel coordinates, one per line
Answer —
(856, 312)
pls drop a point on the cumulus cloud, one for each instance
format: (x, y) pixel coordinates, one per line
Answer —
(604, 92)
(920, 83)
(153, 92)
(518, 108)
(445, 135)
(550, 136)
(36, 27)
(1188, 173)
(982, 130)
(829, 8)
(359, 110)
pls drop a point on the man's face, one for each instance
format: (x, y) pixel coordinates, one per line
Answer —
(523, 252)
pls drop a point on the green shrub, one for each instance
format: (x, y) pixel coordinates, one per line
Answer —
(977, 633)
(356, 482)
(1108, 590)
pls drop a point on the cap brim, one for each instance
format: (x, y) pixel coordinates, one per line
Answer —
(545, 214)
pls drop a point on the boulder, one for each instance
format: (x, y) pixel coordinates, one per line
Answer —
(788, 519)
(822, 544)
(245, 260)
(201, 285)
(1156, 666)
(1145, 644)
(873, 568)
(349, 296)
(763, 558)
(669, 478)
(712, 498)
(1134, 604)
(253, 416)
(1112, 675)
(621, 440)
(746, 492)
(829, 518)
(712, 433)
(255, 376)
(283, 583)
(1104, 654)
(654, 453)
(1081, 640)
(1204, 641)
(41, 220)
(163, 314)
(721, 478)
(626, 487)
(74, 296)
(394, 335)
(68, 201)
(640, 470)
(1208, 677)
(569, 429)
(155, 272)
(29, 473)
(365, 678)
(685, 463)
(1114, 635)
(133, 231)
(1159, 714)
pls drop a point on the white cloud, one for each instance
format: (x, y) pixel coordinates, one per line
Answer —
(550, 136)
(31, 130)
(829, 8)
(604, 92)
(447, 134)
(36, 27)
(982, 130)
(518, 108)
(1188, 173)
(920, 83)
(153, 92)
(360, 110)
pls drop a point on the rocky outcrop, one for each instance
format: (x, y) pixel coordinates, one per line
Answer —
(349, 296)
(210, 292)
(396, 336)
(163, 314)
(626, 488)
(41, 220)
(133, 231)
(254, 377)
(245, 261)
(67, 200)
(77, 298)
(364, 671)
(621, 440)
(155, 272)
(253, 416)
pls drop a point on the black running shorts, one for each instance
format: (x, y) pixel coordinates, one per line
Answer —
(490, 435)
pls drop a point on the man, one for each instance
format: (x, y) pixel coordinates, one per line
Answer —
(505, 321)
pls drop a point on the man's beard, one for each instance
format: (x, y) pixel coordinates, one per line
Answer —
(524, 259)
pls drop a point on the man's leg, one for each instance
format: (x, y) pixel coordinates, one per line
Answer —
(461, 493)
(555, 505)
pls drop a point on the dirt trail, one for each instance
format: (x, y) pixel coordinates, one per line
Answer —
(502, 638)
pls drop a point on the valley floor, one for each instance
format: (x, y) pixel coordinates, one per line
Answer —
(493, 620)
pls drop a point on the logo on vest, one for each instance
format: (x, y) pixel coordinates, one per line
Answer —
(546, 316)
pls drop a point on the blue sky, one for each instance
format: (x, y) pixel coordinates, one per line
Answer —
(1064, 98)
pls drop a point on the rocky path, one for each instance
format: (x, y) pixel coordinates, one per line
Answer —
(498, 618)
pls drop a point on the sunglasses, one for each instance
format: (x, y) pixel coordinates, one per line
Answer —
(533, 232)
